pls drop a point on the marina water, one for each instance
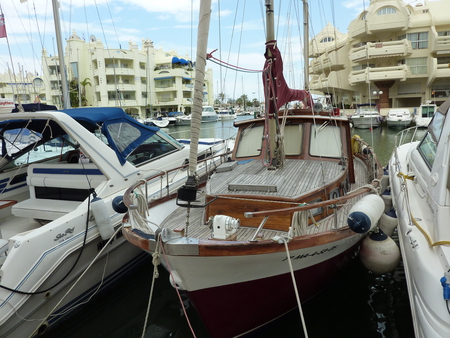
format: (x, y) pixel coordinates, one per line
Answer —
(358, 305)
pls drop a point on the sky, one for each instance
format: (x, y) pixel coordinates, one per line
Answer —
(237, 32)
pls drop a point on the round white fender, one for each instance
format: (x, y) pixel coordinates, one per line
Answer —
(365, 213)
(379, 253)
(388, 222)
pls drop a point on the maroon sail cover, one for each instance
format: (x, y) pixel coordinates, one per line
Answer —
(275, 85)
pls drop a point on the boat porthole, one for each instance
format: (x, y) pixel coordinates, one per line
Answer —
(47, 295)
(42, 329)
(334, 194)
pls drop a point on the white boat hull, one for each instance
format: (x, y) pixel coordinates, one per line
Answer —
(423, 263)
(364, 122)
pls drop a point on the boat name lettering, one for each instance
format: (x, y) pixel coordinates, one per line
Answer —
(312, 254)
(68, 231)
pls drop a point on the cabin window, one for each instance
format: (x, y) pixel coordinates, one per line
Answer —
(334, 194)
(427, 148)
(293, 137)
(22, 148)
(250, 142)
(316, 211)
(326, 142)
(155, 146)
(436, 125)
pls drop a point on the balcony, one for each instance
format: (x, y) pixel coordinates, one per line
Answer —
(165, 89)
(120, 86)
(440, 45)
(381, 49)
(327, 62)
(389, 22)
(357, 28)
(377, 24)
(368, 75)
(325, 83)
(124, 103)
(443, 71)
(118, 71)
(318, 48)
(166, 73)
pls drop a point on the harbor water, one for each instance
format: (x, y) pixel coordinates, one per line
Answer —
(358, 305)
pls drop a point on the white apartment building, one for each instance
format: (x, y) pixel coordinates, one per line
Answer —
(20, 87)
(394, 54)
(138, 80)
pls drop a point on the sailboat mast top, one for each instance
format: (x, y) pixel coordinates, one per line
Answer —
(62, 67)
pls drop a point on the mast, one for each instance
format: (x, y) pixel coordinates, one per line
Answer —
(202, 41)
(272, 114)
(62, 67)
(306, 43)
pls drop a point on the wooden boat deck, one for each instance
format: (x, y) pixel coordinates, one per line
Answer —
(297, 178)
(195, 227)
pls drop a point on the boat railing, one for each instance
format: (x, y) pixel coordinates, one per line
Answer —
(165, 176)
(408, 135)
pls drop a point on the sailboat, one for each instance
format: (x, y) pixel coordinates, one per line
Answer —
(277, 223)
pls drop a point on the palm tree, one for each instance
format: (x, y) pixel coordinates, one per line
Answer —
(84, 83)
(73, 93)
(244, 99)
(221, 97)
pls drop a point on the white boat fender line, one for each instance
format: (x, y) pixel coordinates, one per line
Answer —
(280, 240)
(76, 282)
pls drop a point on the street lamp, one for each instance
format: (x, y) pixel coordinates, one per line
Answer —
(377, 94)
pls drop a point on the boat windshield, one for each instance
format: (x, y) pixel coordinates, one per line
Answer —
(154, 147)
(436, 125)
(23, 147)
(326, 142)
(250, 141)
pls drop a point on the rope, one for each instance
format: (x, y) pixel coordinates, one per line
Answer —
(295, 287)
(156, 261)
(211, 58)
(427, 236)
(176, 289)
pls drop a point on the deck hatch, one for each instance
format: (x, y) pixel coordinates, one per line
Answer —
(227, 166)
(255, 183)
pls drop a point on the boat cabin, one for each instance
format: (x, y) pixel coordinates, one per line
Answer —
(322, 144)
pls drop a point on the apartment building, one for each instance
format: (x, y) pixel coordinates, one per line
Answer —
(140, 80)
(23, 87)
(394, 54)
